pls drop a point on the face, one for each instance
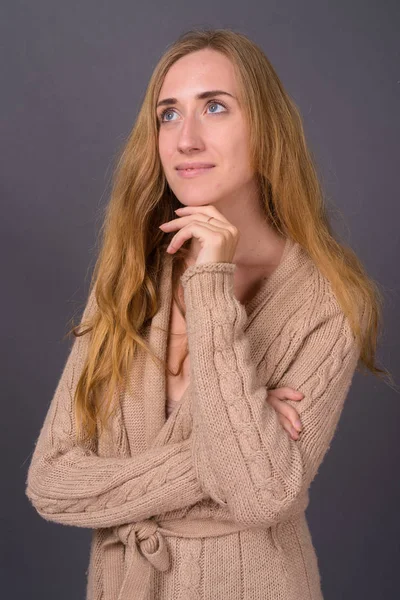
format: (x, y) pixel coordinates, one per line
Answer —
(198, 127)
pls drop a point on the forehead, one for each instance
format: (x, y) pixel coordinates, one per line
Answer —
(197, 72)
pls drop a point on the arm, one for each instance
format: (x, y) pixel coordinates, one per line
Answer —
(243, 457)
(70, 484)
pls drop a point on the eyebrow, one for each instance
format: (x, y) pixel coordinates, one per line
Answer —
(202, 96)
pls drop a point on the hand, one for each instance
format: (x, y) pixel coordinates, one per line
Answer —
(287, 414)
(217, 236)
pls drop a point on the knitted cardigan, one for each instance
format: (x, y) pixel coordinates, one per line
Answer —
(210, 502)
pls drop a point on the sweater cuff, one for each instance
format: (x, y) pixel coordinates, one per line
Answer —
(209, 284)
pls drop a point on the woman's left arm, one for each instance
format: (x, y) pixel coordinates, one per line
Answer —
(243, 457)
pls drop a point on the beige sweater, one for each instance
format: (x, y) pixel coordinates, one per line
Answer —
(210, 502)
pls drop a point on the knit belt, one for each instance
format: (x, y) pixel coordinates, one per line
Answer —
(145, 548)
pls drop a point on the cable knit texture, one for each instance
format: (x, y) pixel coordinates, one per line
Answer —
(208, 500)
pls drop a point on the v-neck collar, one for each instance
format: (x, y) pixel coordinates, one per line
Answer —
(154, 384)
(278, 274)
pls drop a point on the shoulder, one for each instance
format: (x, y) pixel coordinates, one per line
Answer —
(301, 293)
(304, 312)
(322, 307)
(311, 336)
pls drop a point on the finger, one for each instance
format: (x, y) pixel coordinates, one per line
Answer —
(201, 231)
(208, 210)
(286, 411)
(177, 224)
(288, 427)
(287, 393)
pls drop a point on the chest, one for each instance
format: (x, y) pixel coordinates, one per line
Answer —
(178, 360)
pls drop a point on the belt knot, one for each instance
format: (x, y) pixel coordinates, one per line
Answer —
(145, 536)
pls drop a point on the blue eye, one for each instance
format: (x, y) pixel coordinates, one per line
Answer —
(167, 110)
(164, 112)
(216, 103)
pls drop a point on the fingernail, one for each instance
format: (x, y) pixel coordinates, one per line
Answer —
(297, 424)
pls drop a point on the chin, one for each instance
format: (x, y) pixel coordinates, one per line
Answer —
(198, 197)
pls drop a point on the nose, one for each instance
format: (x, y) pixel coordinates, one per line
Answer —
(190, 136)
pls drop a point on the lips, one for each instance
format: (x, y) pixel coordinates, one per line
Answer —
(194, 172)
(194, 165)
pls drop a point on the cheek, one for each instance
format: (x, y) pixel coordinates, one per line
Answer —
(238, 164)
(235, 143)
(165, 151)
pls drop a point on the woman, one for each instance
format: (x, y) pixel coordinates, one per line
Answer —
(195, 482)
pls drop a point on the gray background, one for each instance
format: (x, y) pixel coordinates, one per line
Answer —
(73, 77)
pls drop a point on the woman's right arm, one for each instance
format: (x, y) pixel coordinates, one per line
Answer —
(72, 485)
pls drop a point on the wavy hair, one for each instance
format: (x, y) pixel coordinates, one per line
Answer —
(131, 245)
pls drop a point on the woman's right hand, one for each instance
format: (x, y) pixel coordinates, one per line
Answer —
(288, 416)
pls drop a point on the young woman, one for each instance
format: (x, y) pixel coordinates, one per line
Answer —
(195, 475)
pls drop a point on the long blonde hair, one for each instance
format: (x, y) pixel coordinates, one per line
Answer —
(131, 247)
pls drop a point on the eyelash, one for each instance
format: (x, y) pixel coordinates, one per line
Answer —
(161, 117)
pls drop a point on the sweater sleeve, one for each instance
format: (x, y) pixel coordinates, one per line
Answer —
(70, 484)
(244, 458)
